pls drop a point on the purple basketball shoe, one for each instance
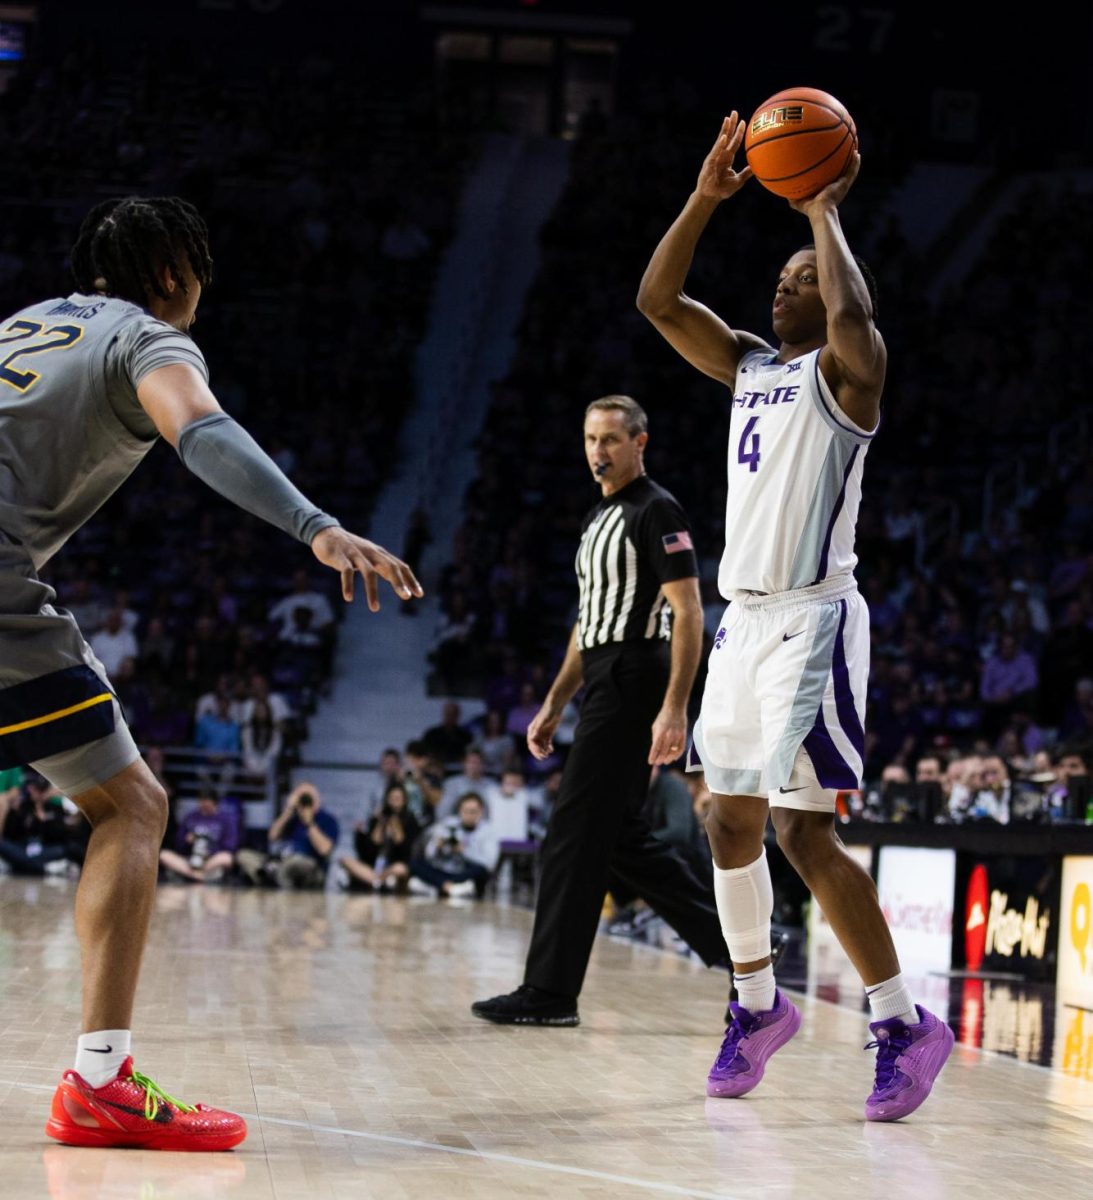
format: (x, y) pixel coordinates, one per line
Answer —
(750, 1040)
(909, 1059)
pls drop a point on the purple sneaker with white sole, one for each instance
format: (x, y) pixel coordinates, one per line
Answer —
(909, 1059)
(750, 1040)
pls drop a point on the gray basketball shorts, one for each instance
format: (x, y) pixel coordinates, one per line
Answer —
(57, 711)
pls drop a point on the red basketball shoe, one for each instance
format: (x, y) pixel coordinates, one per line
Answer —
(131, 1110)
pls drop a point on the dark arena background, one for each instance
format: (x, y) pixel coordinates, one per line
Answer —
(428, 225)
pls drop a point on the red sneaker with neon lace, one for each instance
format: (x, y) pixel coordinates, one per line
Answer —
(132, 1110)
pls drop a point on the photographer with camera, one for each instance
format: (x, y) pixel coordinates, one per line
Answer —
(461, 853)
(301, 841)
(384, 845)
(206, 842)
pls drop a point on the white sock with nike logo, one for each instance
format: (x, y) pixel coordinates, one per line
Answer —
(99, 1055)
(892, 998)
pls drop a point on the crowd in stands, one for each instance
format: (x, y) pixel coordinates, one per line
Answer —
(214, 628)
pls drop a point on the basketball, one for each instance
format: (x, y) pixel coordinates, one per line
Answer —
(799, 141)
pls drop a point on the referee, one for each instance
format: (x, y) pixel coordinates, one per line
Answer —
(637, 571)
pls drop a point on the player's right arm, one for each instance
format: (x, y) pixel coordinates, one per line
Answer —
(223, 455)
(540, 735)
(694, 330)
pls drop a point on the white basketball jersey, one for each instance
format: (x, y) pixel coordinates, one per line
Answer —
(795, 472)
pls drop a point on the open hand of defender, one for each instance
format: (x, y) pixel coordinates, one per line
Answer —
(717, 179)
(346, 553)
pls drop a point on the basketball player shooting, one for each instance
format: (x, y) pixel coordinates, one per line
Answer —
(780, 729)
(88, 384)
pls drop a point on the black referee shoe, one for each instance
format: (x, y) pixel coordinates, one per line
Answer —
(778, 944)
(528, 1006)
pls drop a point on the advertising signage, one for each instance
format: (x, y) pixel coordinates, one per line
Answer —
(1009, 908)
(916, 895)
(1075, 977)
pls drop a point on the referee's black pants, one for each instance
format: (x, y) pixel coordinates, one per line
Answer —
(597, 835)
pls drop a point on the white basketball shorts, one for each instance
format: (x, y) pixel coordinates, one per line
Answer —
(784, 706)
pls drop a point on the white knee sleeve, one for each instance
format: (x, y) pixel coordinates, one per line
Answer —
(745, 903)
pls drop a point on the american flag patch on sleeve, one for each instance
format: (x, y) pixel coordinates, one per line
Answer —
(675, 542)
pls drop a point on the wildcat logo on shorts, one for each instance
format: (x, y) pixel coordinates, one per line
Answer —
(717, 642)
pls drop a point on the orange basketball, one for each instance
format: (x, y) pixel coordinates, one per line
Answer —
(799, 141)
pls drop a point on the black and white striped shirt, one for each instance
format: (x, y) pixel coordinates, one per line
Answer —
(631, 542)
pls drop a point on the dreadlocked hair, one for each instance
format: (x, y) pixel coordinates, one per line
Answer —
(123, 244)
(866, 274)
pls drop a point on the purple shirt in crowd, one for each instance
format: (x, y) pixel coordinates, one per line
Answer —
(221, 828)
(1002, 678)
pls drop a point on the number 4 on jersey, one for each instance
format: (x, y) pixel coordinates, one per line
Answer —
(749, 454)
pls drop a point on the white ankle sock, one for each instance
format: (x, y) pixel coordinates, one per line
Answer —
(892, 998)
(756, 989)
(99, 1055)
(745, 902)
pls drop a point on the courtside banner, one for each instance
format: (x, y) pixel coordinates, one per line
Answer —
(1009, 909)
(1074, 980)
(917, 887)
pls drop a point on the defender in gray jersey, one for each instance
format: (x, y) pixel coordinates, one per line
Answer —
(784, 701)
(87, 385)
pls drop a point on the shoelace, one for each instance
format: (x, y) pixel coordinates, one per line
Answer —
(888, 1050)
(734, 1035)
(154, 1095)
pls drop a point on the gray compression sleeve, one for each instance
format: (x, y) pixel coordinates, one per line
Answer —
(221, 453)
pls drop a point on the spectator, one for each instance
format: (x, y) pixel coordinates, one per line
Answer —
(671, 808)
(301, 841)
(995, 795)
(510, 807)
(38, 836)
(302, 595)
(1009, 681)
(424, 779)
(113, 643)
(82, 602)
(206, 841)
(454, 653)
(461, 854)
(1077, 720)
(447, 741)
(521, 716)
(209, 703)
(385, 844)
(157, 653)
(260, 692)
(471, 779)
(221, 737)
(1071, 766)
(261, 741)
(497, 746)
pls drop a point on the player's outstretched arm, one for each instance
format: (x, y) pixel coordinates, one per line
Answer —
(222, 454)
(695, 331)
(855, 359)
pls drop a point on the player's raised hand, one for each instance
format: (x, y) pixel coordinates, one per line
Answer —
(348, 554)
(718, 179)
(832, 195)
